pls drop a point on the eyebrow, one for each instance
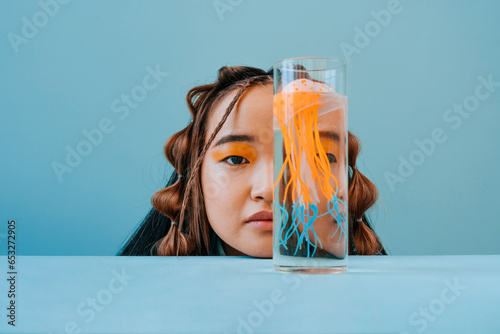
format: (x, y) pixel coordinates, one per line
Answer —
(234, 138)
(251, 139)
(329, 135)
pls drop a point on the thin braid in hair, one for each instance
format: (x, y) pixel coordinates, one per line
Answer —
(202, 154)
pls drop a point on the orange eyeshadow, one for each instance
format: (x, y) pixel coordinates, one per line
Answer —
(243, 150)
(330, 146)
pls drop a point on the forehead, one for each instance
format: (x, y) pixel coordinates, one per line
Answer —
(252, 114)
(334, 120)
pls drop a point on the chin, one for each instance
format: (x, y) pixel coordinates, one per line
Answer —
(263, 255)
(262, 250)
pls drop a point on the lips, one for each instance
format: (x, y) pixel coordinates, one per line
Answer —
(262, 220)
(261, 216)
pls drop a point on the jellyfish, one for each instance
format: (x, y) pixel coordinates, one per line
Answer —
(311, 204)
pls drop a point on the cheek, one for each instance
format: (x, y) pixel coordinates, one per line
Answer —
(222, 194)
(340, 173)
(216, 182)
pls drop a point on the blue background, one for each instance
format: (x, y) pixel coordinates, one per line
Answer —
(64, 79)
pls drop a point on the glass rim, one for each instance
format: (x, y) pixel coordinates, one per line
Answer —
(340, 62)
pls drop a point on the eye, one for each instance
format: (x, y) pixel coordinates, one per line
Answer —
(331, 158)
(235, 160)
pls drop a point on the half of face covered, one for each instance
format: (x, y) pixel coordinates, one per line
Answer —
(311, 117)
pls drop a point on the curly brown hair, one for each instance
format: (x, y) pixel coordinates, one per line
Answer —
(178, 223)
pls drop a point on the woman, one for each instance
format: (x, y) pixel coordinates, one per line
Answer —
(221, 191)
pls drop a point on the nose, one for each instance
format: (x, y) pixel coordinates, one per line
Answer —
(263, 181)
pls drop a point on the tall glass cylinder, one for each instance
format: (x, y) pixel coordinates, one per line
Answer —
(310, 232)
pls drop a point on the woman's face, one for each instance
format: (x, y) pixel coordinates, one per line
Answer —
(237, 173)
